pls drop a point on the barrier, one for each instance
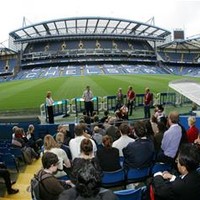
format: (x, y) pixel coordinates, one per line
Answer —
(167, 98)
(80, 106)
(59, 108)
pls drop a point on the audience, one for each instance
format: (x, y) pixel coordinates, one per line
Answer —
(187, 185)
(50, 145)
(108, 156)
(5, 174)
(50, 187)
(88, 186)
(140, 153)
(124, 140)
(193, 131)
(171, 140)
(74, 143)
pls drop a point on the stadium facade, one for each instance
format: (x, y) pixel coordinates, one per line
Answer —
(96, 45)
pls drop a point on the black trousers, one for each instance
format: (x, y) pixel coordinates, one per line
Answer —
(4, 173)
(89, 108)
(50, 114)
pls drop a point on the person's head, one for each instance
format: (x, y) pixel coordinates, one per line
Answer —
(107, 141)
(173, 117)
(120, 90)
(14, 128)
(50, 161)
(124, 129)
(130, 88)
(188, 158)
(60, 137)
(147, 90)
(31, 128)
(48, 94)
(88, 180)
(96, 129)
(86, 146)
(87, 87)
(140, 129)
(191, 121)
(79, 130)
(49, 142)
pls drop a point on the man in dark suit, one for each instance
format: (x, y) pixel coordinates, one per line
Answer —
(187, 185)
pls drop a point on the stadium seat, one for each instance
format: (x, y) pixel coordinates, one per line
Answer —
(113, 179)
(160, 167)
(129, 194)
(135, 175)
(9, 160)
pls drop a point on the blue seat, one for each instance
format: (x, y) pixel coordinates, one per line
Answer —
(113, 179)
(161, 167)
(17, 152)
(135, 175)
(129, 194)
(9, 160)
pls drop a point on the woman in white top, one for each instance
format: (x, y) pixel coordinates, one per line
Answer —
(49, 105)
(52, 146)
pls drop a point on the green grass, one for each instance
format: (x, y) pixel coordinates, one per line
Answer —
(30, 94)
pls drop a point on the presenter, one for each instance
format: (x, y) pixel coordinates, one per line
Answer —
(87, 96)
(49, 105)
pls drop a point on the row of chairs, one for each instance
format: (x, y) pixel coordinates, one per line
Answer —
(133, 175)
(11, 157)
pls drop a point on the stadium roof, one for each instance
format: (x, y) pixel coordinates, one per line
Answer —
(5, 51)
(88, 26)
(188, 44)
(187, 88)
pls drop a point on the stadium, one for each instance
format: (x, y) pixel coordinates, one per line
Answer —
(66, 55)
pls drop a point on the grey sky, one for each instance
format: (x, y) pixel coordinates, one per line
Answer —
(168, 14)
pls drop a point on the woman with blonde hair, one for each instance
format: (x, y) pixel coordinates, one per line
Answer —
(192, 132)
(49, 106)
(50, 145)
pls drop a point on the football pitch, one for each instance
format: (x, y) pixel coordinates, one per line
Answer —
(28, 95)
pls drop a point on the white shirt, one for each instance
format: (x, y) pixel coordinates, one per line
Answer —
(121, 143)
(87, 95)
(49, 101)
(63, 159)
(74, 145)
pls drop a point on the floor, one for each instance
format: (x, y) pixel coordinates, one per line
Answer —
(23, 181)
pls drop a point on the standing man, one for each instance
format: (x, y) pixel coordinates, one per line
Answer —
(87, 96)
(130, 99)
(171, 140)
(147, 103)
(49, 105)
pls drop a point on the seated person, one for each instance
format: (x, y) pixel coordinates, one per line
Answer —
(88, 185)
(108, 156)
(51, 187)
(187, 185)
(140, 153)
(4, 173)
(86, 148)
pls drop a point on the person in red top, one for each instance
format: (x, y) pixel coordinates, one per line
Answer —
(147, 103)
(130, 99)
(192, 132)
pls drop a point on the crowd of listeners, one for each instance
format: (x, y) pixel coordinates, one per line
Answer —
(100, 143)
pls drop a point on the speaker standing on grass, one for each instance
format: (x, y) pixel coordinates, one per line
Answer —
(87, 96)
(49, 105)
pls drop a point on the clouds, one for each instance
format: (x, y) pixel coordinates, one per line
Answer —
(168, 14)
